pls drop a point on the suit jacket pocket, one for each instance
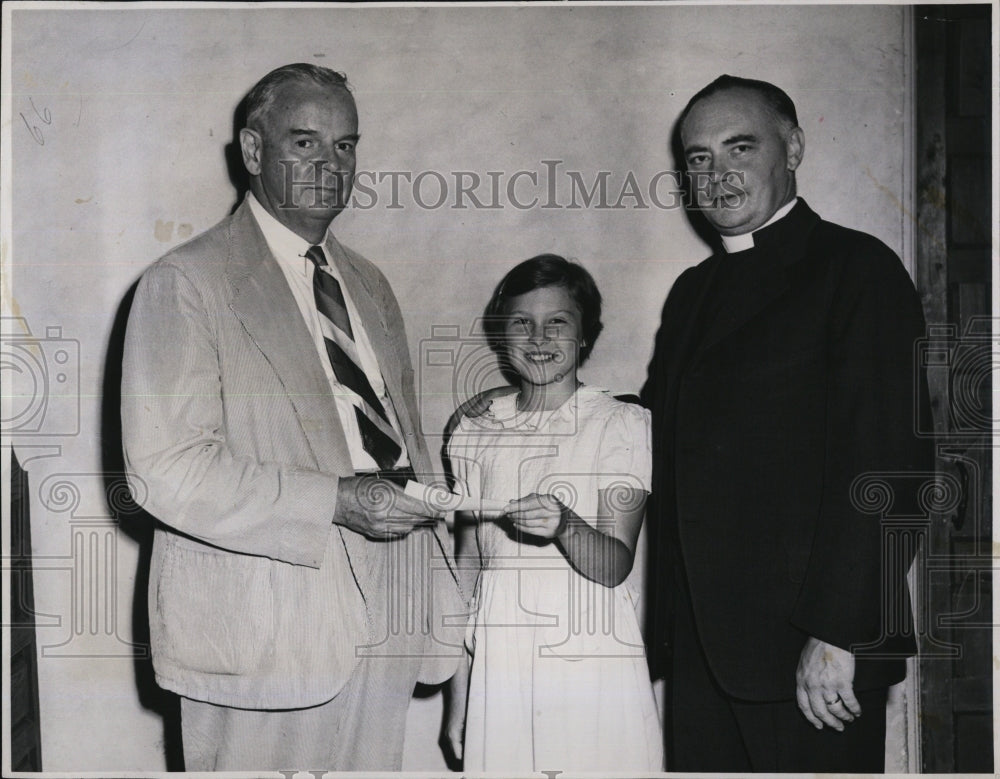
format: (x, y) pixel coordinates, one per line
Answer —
(214, 610)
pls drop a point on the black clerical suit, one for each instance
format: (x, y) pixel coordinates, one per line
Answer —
(780, 375)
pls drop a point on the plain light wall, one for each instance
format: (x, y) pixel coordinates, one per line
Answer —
(119, 118)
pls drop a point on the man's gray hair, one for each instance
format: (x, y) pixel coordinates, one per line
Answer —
(261, 97)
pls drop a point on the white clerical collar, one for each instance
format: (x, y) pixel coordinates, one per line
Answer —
(740, 243)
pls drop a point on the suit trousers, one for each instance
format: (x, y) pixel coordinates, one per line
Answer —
(360, 729)
(714, 732)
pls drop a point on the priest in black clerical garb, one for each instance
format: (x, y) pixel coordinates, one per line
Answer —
(782, 378)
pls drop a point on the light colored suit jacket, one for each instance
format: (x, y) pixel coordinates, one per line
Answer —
(233, 441)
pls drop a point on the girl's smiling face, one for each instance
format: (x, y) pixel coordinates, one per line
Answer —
(542, 335)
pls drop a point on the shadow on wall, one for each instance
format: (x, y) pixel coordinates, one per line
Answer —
(135, 523)
(138, 526)
(238, 175)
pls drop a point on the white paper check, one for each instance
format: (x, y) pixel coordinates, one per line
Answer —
(441, 499)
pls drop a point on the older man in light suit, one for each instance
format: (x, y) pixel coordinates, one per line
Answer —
(294, 600)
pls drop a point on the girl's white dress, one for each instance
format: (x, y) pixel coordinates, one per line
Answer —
(559, 678)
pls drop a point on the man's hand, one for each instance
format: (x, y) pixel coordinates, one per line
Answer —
(824, 685)
(538, 515)
(378, 509)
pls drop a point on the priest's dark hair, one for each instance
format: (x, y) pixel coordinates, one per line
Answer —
(775, 98)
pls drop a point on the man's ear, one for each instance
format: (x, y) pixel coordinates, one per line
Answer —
(795, 147)
(250, 145)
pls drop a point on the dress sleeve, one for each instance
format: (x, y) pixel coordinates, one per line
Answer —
(626, 449)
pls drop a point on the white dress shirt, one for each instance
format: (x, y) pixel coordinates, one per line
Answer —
(289, 249)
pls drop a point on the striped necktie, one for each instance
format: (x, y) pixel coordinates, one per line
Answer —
(377, 435)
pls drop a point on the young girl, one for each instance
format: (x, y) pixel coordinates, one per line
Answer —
(558, 677)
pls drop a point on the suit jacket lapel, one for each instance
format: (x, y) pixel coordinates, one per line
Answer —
(264, 304)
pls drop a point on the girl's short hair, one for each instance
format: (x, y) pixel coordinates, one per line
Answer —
(545, 270)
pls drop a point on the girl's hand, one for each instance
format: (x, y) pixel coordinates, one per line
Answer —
(538, 515)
